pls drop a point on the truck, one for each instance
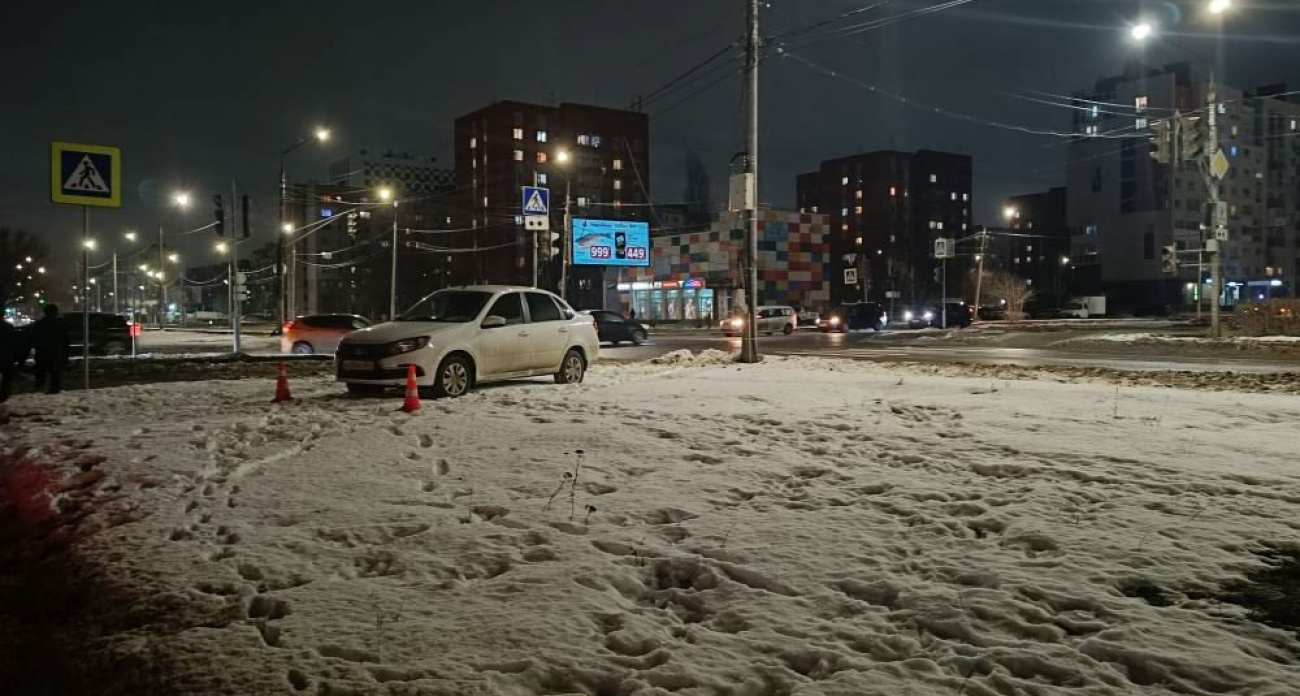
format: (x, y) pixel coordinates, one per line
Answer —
(1087, 307)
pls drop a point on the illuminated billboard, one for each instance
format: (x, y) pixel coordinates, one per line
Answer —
(610, 243)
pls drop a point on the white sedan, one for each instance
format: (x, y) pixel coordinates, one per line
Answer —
(461, 337)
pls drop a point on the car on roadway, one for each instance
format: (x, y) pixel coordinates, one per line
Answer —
(615, 328)
(855, 316)
(770, 319)
(313, 334)
(806, 317)
(960, 316)
(110, 334)
(458, 338)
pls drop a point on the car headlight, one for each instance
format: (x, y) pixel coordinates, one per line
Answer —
(928, 316)
(907, 316)
(407, 345)
(737, 322)
(835, 321)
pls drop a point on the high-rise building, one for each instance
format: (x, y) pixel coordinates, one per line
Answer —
(407, 174)
(1124, 205)
(605, 173)
(886, 209)
(1038, 246)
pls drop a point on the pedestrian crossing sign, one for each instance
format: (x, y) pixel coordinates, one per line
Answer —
(536, 201)
(86, 175)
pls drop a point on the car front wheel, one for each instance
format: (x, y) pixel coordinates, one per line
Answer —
(638, 337)
(454, 378)
(302, 348)
(572, 370)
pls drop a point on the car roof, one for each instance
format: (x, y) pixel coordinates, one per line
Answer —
(497, 288)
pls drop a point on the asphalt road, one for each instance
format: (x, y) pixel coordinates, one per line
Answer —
(1027, 349)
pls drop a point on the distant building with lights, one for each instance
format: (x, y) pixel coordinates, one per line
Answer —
(408, 174)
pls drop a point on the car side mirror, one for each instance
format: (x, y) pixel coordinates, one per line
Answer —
(493, 322)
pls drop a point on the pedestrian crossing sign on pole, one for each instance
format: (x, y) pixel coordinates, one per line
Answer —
(86, 175)
(537, 201)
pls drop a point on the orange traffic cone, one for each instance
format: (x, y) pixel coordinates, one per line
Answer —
(411, 403)
(282, 386)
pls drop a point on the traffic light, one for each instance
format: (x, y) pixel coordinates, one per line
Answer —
(1193, 139)
(555, 243)
(241, 287)
(352, 224)
(1162, 141)
(1169, 260)
(219, 215)
(247, 228)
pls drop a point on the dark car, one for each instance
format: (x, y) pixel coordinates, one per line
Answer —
(110, 334)
(615, 328)
(857, 316)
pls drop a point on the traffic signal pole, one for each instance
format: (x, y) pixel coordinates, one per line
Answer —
(1218, 216)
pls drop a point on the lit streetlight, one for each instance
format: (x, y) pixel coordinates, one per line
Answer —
(222, 247)
(284, 258)
(1142, 31)
(181, 199)
(174, 258)
(287, 228)
(1010, 213)
(130, 236)
(1065, 260)
(385, 194)
(562, 156)
(41, 270)
(89, 244)
(1218, 7)
(322, 135)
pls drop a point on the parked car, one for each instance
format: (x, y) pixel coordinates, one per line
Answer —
(960, 316)
(614, 328)
(771, 319)
(993, 312)
(856, 316)
(459, 338)
(1085, 307)
(110, 334)
(318, 333)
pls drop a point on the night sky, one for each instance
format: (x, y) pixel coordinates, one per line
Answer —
(197, 94)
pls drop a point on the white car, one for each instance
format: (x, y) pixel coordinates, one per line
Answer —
(771, 319)
(457, 338)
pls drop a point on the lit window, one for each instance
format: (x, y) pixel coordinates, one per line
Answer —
(519, 155)
(618, 165)
(932, 225)
(844, 212)
(938, 225)
(963, 227)
(1094, 112)
(1235, 131)
(844, 181)
(857, 210)
(1090, 230)
(541, 158)
(954, 195)
(595, 141)
(618, 184)
(485, 199)
(518, 133)
(858, 241)
(965, 196)
(584, 139)
(541, 179)
(1140, 104)
(1029, 247)
(618, 203)
(892, 239)
(1295, 124)
(814, 209)
(858, 194)
(582, 201)
(893, 191)
(1140, 124)
(541, 136)
(934, 178)
(844, 227)
(473, 143)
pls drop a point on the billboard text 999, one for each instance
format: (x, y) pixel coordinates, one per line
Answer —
(610, 243)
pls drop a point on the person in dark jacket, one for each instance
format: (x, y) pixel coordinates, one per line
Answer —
(49, 339)
(10, 353)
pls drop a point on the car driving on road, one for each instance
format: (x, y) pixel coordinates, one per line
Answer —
(614, 328)
(770, 319)
(459, 338)
(318, 333)
(857, 316)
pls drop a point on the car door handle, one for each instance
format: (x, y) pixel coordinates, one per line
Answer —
(564, 329)
(525, 333)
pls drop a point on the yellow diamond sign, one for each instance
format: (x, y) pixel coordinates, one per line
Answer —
(1219, 165)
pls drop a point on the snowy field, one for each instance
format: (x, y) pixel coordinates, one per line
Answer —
(1146, 337)
(797, 527)
(185, 342)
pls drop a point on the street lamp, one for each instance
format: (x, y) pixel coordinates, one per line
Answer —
(562, 157)
(129, 236)
(1218, 7)
(88, 243)
(287, 228)
(222, 247)
(1142, 31)
(284, 261)
(181, 200)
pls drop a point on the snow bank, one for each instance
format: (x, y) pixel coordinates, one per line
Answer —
(685, 358)
(798, 526)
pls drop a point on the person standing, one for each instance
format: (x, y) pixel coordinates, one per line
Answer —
(51, 345)
(11, 354)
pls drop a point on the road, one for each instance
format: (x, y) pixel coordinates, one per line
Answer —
(1028, 349)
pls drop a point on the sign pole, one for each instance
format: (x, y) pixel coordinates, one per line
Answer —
(943, 301)
(85, 297)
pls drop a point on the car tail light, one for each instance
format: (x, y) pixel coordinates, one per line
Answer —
(287, 326)
(136, 330)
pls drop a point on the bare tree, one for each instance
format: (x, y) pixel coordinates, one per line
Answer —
(1009, 287)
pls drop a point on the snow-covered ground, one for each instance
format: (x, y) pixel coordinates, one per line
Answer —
(182, 341)
(691, 527)
(1147, 337)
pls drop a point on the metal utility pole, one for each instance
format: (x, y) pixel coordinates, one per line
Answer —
(232, 274)
(537, 246)
(943, 300)
(749, 344)
(85, 297)
(979, 275)
(1218, 210)
(115, 303)
(162, 281)
(281, 271)
(565, 241)
(392, 281)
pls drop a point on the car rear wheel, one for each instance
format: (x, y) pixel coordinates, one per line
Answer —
(638, 337)
(789, 329)
(302, 348)
(454, 378)
(115, 348)
(365, 389)
(573, 369)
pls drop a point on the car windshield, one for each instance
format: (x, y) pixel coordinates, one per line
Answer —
(453, 306)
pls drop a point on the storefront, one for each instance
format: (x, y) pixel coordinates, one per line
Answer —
(671, 300)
